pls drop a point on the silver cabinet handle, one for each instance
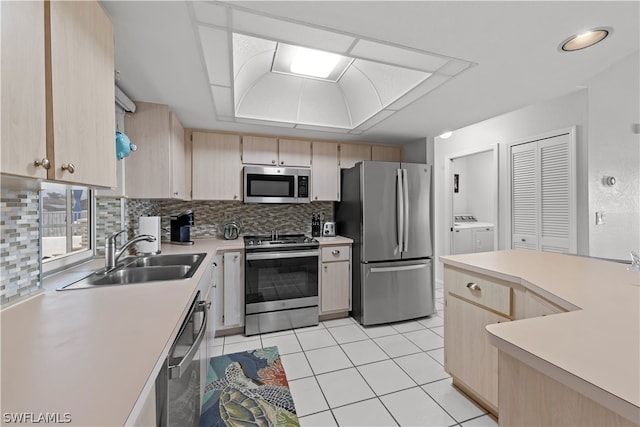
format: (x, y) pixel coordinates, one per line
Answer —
(45, 163)
(473, 286)
(282, 162)
(69, 167)
(335, 252)
(176, 371)
(273, 162)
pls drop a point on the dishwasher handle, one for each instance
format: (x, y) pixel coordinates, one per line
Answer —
(175, 371)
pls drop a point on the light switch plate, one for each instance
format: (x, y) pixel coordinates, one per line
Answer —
(599, 217)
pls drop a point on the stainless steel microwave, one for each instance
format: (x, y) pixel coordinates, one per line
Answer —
(264, 184)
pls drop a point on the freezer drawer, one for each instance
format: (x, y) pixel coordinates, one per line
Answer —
(395, 291)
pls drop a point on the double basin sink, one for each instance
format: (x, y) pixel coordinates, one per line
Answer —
(143, 269)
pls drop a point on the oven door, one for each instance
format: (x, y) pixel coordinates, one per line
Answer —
(280, 280)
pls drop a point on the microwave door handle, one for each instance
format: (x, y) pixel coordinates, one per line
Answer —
(399, 208)
(176, 371)
(405, 193)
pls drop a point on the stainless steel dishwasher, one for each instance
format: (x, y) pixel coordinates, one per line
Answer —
(178, 383)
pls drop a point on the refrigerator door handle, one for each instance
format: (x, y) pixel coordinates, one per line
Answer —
(400, 209)
(405, 193)
(401, 268)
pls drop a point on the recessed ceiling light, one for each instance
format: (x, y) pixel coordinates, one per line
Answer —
(446, 135)
(304, 62)
(585, 39)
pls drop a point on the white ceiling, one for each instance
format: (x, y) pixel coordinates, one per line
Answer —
(513, 43)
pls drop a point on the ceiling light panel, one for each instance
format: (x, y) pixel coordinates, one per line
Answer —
(311, 63)
(249, 23)
(390, 82)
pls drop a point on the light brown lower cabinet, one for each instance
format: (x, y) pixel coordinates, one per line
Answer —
(469, 358)
(335, 279)
(531, 398)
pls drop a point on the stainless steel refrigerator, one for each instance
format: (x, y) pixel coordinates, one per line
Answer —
(385, 209)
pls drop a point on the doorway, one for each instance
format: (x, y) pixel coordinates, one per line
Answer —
(471, 201)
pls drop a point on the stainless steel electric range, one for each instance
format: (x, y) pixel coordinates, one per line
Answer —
(281, 282)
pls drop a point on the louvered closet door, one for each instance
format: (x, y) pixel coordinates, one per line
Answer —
(556, 211)
(524, 196)
(543, 191)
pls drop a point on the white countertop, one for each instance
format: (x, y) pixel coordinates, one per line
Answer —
(92, 353)
(594, 349)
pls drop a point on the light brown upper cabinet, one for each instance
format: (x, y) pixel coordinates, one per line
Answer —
(350, 154)
(325, 174)
(294, 152)
(157, 169)
(386, 153)
(216, 167)
(57, 80)
(23, 137)
(262, 150)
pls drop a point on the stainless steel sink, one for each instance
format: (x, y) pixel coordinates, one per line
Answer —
(192, 260)
(125, 276)
(143, 269)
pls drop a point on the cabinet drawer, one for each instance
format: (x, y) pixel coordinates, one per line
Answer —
(493, 294)
(335, 253)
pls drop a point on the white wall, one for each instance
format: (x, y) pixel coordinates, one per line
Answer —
(614, 150)
(415, 152)
(559, 113)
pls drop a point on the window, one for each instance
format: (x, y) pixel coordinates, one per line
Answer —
(66, 225)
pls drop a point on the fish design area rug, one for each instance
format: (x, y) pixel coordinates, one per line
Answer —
(249, 388)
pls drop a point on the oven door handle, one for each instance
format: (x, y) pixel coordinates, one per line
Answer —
(280, 255)
(176, 371)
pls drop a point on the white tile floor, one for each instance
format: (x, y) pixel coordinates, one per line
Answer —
(343, 374)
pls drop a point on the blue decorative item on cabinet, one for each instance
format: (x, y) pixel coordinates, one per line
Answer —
(124, 146)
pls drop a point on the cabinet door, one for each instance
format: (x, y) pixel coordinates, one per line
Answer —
(468, 355)
(294, 152)
(386, 153)
(178, 177)
(524, 197)
(259, 150)
(233, 312)
(350, 154)
(335, 290)
(216, 167)
(22, 126)
(325, 172)
(148, 169)
(82, 93)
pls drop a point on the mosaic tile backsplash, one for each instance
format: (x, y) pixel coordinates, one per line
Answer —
(256, 219)
(19, 244)
(108, 220)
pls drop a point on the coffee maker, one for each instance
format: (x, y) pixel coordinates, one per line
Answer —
(181, 228)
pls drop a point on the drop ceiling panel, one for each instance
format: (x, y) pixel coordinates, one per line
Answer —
(251, 72)
(454, 67)
(398, 56)
(322, 103)
(223, 101)
(390, 82)
(215, 49)
(421, 90)
(246, 47)
(296, 34)
(273, 98)
(209, 13)
(322, 129)
(361, 95)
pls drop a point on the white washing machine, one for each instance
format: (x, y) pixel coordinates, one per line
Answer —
(470, 235)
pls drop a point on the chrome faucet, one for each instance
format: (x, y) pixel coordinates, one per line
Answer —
(111, 254)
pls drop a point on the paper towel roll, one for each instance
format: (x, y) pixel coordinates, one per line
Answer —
(149, 225)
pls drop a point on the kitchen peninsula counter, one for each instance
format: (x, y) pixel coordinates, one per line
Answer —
(594, 347)
(88, 355)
